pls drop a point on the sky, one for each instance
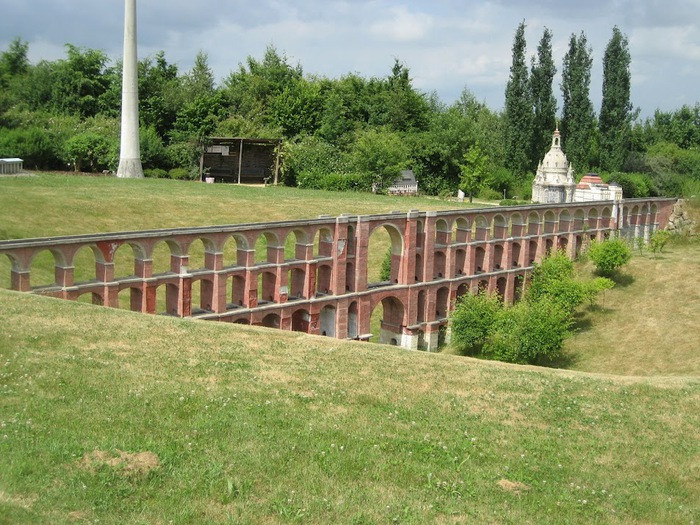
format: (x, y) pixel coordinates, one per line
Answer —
(448, 45)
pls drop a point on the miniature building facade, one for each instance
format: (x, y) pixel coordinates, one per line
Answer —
(554, 182)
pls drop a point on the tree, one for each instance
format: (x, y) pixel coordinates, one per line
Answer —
(473, 319)
(616, 112)
(518, 110)
(545, 104)
(199, 81)
(578, 123)
(381, 153)
(609, 255)
(473, 171)
(14, 61)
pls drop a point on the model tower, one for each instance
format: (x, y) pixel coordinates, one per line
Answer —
(130, 154)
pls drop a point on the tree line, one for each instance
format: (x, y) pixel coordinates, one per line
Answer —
(352, 132)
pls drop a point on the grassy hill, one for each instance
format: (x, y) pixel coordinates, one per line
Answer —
(116, 417)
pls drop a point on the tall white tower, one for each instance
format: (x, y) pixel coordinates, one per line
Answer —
(130, 154)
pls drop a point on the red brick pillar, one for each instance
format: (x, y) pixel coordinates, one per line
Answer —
(429, 246)
(339, 253)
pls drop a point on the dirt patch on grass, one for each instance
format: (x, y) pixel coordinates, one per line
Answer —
(128, 464)
(513, 486)
(23, 502)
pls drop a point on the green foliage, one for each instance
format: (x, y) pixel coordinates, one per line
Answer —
(529, 332)
(473, 171)
(87, 151)
(658, 241)
(152, 149)
(554, 278)
(578, 125)
(616, 113)
(381, 153)
(518, 110)
(34, 145)
(609, 255)
(182, 174)
(634, 185)
(155, 173)
(334, 181)
(545, 104)
(385, 269)
(472, 321)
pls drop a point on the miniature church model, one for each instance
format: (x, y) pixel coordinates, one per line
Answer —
(554, 182)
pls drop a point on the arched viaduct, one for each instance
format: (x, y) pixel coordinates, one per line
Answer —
(312, 275)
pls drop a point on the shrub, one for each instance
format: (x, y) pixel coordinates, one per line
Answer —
(658, 240)
(180, 174)
(609, 255)
(155, 173)
(334, 181)
(554, 278)
(529, 333)
(472, 321)
(489, 195)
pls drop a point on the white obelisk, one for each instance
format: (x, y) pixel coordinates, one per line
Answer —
(130, 154)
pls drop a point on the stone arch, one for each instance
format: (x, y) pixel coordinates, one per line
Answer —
(324, 275)
(161, 258)
(350, 276)
(564, 223)
(390, 329)
(480, 228)
(439, 265)
(298, 246)
(353, 331)
(420, 306)
(592, 219)
(271, 320)
(42, 267)
(515, 254)
(84, 264)
(579, 219)
(442, 233)
(197, 252)
(267, 286)
(384, 239)
(327, 321)
(125, 258)
(550, 222)
(533, 223)
(234, 251)
(236, 291)
(606, 216)
(296, 281)
(301, 320)
(324, 242)
(517, 225)
(499, 226)
(267, 246)
(461, 231)
(498, 259)
(501, 287)
(479, 259)
(351, 241)
(442, 302)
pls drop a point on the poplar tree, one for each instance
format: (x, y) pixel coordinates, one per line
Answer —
(616, 112)
(518, 110)
(578, 124)
(544, 103)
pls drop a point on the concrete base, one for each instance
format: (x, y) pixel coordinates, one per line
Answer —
(130, 169)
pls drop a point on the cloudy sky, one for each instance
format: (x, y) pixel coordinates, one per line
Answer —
(448, 45)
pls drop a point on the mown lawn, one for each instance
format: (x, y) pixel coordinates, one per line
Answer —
(117, 417)
(114, 417)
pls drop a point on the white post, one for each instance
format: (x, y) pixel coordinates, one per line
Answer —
(130, 154)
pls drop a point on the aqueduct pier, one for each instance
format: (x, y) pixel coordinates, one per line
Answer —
(312, 275)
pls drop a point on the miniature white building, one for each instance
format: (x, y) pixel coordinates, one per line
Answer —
(554, 181)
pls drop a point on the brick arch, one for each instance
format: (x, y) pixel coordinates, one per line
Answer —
(499, 227)
(461, 230)
(481, 228)
(323, 242)
(516, 224)
(393, 318)
(534, 223)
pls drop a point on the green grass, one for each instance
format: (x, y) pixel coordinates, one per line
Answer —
(217, 423)
(115, 417)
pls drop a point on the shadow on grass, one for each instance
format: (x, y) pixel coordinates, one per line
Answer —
(565, 361)
(623, 279)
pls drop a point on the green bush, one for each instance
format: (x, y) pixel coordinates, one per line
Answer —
(512, 202)
(472, 321)
(155, 173)
(529, 333)
(181, 174)
(488, 194)
(334, 181)
(609, 256)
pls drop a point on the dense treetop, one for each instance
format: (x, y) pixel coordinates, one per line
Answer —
(352, 131)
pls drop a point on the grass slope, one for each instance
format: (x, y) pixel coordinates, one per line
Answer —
(645, 325)
(123, 418)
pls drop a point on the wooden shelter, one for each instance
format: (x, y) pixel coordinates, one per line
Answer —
(241, 160)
